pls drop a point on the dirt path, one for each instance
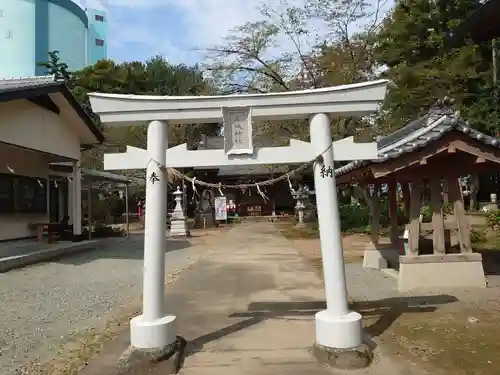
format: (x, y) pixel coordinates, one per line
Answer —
(453, 333)
(354, 246)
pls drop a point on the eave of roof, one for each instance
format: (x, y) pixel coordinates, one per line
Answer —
(25, 89)
(419, 134)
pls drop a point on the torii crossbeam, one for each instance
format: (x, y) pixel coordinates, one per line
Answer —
(297, 152)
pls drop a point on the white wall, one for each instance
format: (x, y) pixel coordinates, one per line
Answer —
(26, 124)
(25, 163)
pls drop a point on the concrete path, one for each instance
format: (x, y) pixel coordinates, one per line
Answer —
(247, 307)
(43, 304)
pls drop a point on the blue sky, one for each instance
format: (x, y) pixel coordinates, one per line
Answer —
(177, 29)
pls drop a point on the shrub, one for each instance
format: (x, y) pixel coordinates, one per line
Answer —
(448, 208)
(477, 236)
(493, 220)
(426, 213)
(104, 231)
(357, 217)
(353, 216)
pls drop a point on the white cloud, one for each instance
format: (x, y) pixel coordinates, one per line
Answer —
(94, 4)
(202, 23)
(137, 34)
(205, 22)
(212, 19)
(138, 3)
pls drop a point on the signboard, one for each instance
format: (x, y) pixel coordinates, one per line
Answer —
(237, 130)
(220, 208)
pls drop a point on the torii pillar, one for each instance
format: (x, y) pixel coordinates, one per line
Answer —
(336, 327)
(339, 331)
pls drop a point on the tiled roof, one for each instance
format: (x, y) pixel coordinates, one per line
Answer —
(29, 87)
(27, 82)
(418, 134)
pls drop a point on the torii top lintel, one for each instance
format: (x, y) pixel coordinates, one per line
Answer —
(348, 100)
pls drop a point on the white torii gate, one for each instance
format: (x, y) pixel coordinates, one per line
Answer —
(336, 327)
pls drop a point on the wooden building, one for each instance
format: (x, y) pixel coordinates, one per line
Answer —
(248, 201)
(430, 154)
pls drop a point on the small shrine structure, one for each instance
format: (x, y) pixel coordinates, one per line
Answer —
(247, 201)
(428, 156)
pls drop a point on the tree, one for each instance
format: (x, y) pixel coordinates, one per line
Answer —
(154, 77)
(294, 47)
(411, 45)
(56, 67)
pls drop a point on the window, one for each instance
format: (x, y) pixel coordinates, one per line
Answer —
(99, 18)
(99, 42)
(6, 194)
(30, 195)
(22, 194)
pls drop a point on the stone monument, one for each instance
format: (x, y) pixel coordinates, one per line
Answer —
(205, 216)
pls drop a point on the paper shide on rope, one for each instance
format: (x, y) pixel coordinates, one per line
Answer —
(326, 171)
(195, 192)
(261, 193)
(290, 186)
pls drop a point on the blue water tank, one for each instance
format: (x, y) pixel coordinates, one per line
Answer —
(17, 38)
(67, 33)
(30, 29)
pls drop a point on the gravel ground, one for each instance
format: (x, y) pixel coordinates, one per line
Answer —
(42, 304)
(367, 284)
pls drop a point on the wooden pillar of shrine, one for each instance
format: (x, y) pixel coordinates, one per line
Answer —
(445, 191)
(438, 239)
(456, 198)
(393, 212)
(376, 210)
(414, 219)
(405, 187)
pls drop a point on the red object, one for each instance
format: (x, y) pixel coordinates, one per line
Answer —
(139, 209)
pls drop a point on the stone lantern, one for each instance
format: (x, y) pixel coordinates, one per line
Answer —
(178, 220)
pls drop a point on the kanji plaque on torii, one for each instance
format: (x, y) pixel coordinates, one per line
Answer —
(237, 130)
